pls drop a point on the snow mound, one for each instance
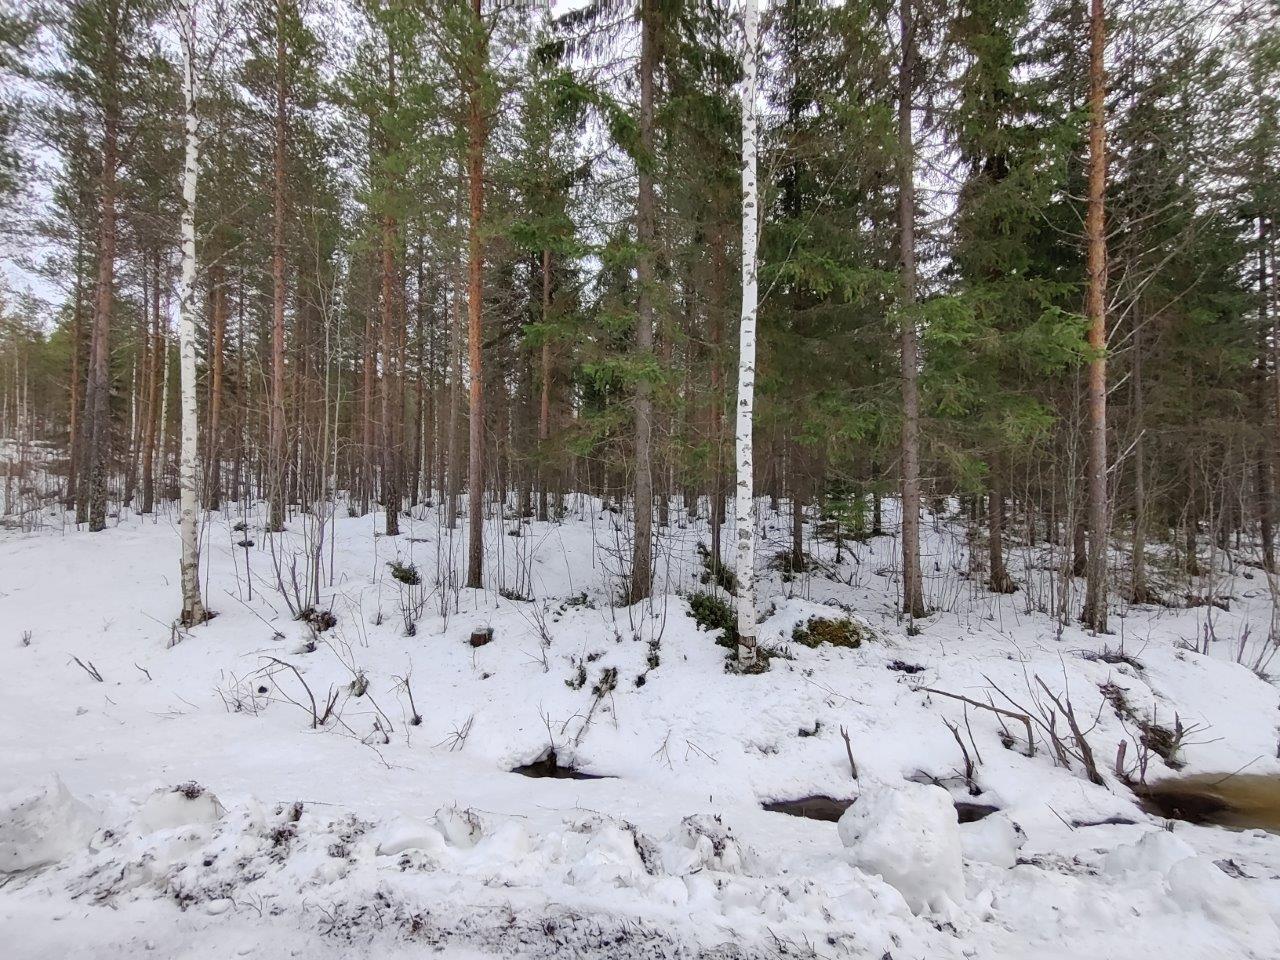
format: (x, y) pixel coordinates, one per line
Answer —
(1152, 852)
(908, 834)
(409, 833)
(172, 807)
(611, 859)
(41, 826)
(995, 840)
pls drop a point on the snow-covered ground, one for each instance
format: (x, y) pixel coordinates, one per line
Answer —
(188, 806)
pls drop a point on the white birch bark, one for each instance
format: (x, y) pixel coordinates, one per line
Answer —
(193, 611)
(745, 507)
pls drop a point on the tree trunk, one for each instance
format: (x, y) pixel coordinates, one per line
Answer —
(390, 434)
(158, 357)
(745, 505)
(912, 580)
(97, 412)
(74, 423)
(476, 134)
(278, 454)
(217, 345)
(368, 374)
(1094, 613)
(1264, 488)
(452, 465)
(193, 611)
(544, 399)
(1139, 592)
(999, 581)
(642, 554)
(716, 324)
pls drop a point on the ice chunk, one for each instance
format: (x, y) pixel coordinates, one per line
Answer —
(908, 834)
(41, 826)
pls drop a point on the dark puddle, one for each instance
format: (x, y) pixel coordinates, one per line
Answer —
(1242, 802)
(830, 809)
(547, 767)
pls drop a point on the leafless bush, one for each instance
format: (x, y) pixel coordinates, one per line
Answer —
(1051, 712)
(402, 683)
(971, 760)
(1258, 654)
(457, 738)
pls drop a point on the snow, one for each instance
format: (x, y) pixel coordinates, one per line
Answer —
(41, 826)
(1156, 851)
(167, 809)
(203, 816)
(994, 839)
(908, 834)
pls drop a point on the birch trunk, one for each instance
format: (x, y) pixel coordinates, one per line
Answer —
(193, 611)
(745, 507)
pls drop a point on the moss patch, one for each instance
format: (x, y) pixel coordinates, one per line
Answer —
(836, 631)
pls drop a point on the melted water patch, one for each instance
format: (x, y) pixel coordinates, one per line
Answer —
(548, 767)
(831, 809)
(1240, 801)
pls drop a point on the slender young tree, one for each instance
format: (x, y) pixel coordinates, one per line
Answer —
(745, 507)
(1095, 597)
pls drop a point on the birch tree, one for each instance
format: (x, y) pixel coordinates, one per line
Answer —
(745, 508)
(193, 609)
